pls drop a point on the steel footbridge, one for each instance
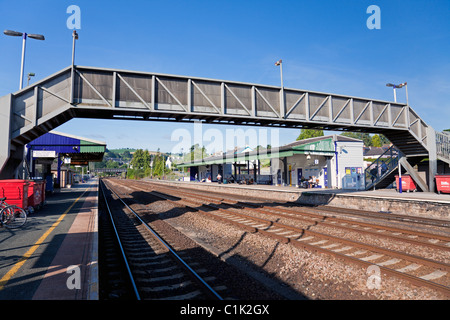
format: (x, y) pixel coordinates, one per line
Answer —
(89, 92)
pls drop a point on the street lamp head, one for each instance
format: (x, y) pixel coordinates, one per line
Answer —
(75, 34)
(278, 62)
(401, 85)
(36, 36)
(13, 33)
(20, 34)
(24, 39)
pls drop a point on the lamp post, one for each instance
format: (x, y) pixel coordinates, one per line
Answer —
(75, 37)
(282, 104)
(30, 74)
(406, 88)
(394, 86)
(24, 36)
(401, 85)
(280, 63)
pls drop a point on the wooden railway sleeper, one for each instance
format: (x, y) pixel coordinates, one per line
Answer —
(304, 233)
(423, 261)
(260, 208)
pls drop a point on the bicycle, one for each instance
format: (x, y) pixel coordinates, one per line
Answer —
(11, 216)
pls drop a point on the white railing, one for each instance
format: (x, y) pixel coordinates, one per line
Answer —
(443, 146)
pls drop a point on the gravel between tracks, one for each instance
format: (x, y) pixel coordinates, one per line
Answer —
(286, 268)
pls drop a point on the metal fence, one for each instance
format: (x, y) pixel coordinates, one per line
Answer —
(381, 167)
(443, 145)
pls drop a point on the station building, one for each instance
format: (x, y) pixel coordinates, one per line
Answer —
(332, 161)
(49, 157)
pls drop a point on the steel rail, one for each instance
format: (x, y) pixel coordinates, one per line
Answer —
(168, 247)
(379, 215)
(133, 283)
(325, 208)
(271, 223)
(413, 279)
(307, 216)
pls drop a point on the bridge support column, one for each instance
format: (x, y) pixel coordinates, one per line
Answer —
(11, 155)
(5, 134)
(410, 170)
(432, 152)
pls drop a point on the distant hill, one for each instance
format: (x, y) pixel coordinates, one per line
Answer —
(122, 150)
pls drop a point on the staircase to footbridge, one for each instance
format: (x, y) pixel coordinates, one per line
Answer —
(89, 92)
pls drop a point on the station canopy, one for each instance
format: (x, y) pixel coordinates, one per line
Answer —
(79, 150)
(314, 146)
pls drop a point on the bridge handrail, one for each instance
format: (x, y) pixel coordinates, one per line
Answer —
(443, 145)
(109, 170)
(89, 92)
(381, 167)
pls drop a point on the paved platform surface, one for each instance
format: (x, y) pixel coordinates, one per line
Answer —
(393, 194)
(382, 193)
(54, 256)
(424, 204)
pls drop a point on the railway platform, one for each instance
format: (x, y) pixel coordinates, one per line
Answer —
(54, 255)
(427, 204)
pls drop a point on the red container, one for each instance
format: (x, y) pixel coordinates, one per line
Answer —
(443, 183)
(408, 183)
(15, 191)
(34, 194)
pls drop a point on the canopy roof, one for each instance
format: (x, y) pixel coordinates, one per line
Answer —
(80, 150)
(315, 146)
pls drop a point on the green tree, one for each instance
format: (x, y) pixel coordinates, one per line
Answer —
(126, 155)
(309, 133)
(147, 158)
(196, 153)
(384, 140)
(376, 141)
(112, 164)
(365, 137)
(138, 159)
(159, 165)
(99, 165)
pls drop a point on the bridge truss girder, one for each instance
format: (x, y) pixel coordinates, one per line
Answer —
(88, 92)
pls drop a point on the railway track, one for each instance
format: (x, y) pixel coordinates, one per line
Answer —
(308, 215)
(257, 218)
(141, 265)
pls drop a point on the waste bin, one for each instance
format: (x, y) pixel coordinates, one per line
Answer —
(443, 183)
(35, 193)
(408, 183)
(15, 191)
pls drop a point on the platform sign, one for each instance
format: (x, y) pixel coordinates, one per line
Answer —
(299, 175)
(44, 154)
(325, 146)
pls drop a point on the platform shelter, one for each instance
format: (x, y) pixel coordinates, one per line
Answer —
(65, 150)
(332, 161)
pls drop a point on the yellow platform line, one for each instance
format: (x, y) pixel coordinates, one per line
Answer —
(4, 280)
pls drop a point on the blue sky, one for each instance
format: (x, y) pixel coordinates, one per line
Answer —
(325, 46)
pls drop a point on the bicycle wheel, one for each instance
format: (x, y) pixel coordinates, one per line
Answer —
(13, 217)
